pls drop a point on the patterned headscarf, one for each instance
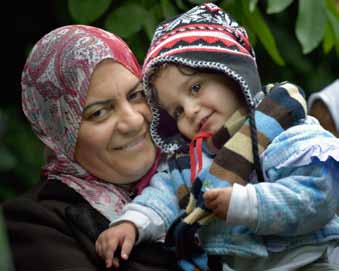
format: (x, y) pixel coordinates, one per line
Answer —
(55, 83)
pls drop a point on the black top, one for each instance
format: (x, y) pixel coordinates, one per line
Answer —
(52, 228)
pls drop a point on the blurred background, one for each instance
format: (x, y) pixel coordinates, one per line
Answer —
(294, 40)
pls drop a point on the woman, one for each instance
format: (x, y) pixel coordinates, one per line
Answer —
(82, 96)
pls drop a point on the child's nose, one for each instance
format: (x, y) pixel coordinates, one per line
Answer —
(191, 109)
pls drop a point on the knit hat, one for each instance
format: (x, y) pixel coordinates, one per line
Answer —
(205, 37)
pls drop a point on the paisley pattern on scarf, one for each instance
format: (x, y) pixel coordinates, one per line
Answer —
(55, 83)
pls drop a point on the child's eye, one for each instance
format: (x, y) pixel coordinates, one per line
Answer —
(178, 113)
(136, 95)
(195, 88)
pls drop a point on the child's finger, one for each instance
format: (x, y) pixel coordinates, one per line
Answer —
(109, 263)
(115, 262)
(98, 248)
(210, 198)
(126, 248)
(210, 194)
(211, 204)
(108, 250)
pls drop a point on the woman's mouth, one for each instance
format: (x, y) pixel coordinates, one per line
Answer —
(133, 145)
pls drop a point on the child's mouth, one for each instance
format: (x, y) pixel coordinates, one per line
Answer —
(203, 123)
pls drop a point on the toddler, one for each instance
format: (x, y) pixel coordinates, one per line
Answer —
(265, 169)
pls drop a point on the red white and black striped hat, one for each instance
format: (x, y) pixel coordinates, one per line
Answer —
(204, 37)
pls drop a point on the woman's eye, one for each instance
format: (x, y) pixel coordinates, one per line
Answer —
(195, 88)
(98, 114)
(136, 95)
(178, 113)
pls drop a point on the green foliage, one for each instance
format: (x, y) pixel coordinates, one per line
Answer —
(256, 22)
(332, 27)
(168, 9)
(20, 155)
(199, 2)
(311, 23)
(316, 22)
(6, 262)
(276, 6)
(87, 11)
(130, 18)
(150, 23)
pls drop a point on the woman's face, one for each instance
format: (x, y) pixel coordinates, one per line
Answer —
(113, 142)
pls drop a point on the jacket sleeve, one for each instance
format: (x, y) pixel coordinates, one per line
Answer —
(297, 196)
(154, 210)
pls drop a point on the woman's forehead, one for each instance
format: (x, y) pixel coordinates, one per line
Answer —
(110, 80)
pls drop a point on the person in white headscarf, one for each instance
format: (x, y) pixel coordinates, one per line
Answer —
(324, 105)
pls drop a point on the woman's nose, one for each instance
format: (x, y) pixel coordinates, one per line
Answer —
(130, 120)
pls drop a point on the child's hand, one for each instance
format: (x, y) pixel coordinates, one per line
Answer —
(218, 201)
(122, 235)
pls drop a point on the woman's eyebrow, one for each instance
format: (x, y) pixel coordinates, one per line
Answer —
(111, 100)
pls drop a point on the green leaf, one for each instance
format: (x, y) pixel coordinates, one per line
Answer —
(168, 9)
(126, 20)
(276, 6)
(253, 4)
(150, 23)
(333, 18)
(181, 5)
(232, 8)
(329, 39)
(137, 46)
(260, 28)
(6, 262)
(22, 144)
(334, 23)
(310, 26)
(7, 159)
(199, 2)
(87, 11)
(331, 7)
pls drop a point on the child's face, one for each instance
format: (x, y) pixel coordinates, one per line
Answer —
(199, 101)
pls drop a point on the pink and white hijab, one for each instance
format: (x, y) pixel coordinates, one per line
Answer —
(54, 83)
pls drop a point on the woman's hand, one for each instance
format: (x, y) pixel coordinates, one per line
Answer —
(218, 201)
(122, 236)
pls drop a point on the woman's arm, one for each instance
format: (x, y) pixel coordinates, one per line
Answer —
(40, 239)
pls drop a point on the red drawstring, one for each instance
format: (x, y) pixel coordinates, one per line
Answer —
(198, 138)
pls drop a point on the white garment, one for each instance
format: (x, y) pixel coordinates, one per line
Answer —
(333, 255)
(330, 96)
(291, 260)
